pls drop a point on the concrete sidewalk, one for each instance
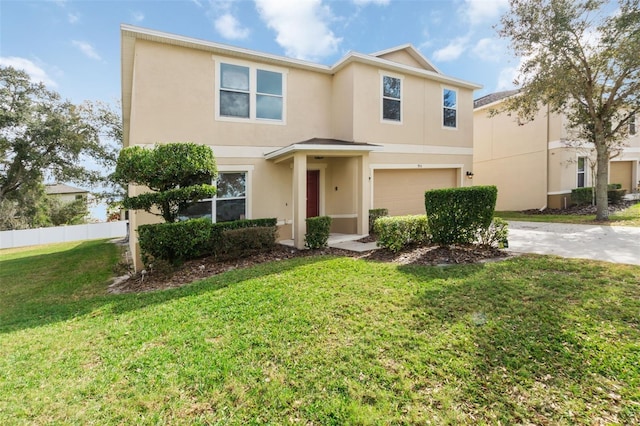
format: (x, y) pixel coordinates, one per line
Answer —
(618, 244)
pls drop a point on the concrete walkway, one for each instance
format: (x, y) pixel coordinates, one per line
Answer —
(618, 244)
(344, 242)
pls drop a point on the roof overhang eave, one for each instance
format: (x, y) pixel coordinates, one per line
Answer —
(310, 148)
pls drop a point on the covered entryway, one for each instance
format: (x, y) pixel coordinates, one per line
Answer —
(621, 172)
(340, 189)
(401, 191)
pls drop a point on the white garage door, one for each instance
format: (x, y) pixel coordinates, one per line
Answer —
(402, 191)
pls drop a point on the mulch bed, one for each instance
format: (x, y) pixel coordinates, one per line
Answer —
(580, 210)
(202, 268)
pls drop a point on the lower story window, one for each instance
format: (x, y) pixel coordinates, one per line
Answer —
(231, 196)
(581, 171)
(230, 202)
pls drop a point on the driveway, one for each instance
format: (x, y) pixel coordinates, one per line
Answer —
(618, 244)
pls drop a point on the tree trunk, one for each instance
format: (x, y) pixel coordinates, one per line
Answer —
(602, 181)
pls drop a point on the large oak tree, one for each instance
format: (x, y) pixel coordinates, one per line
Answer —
(581, 58)
(43, 137)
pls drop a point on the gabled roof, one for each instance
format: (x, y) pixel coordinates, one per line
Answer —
(411, 51)
(494, 97)
(61, 188)
(129, 34)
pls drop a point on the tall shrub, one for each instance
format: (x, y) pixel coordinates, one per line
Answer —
(455, 215)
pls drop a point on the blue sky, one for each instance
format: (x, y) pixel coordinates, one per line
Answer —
(73, 46)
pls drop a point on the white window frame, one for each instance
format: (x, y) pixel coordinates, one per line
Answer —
(443, 107)
(583, 172)
(383, 97)
(248, 170)
(253, 92)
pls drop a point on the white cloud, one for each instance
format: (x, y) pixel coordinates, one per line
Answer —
(301, 26)
(506, 77)
(229, 27)
(488, 49)
(137, 16)
(367, 2)
(35, 72)
(452, 51)
(73, 17)
(87, 49)
(482, 11)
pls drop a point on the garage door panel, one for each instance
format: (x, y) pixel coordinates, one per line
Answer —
(402, 191)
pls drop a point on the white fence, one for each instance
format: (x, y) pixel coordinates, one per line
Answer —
(60, 234)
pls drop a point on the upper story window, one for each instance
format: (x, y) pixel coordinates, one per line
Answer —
(391, 98)
(251, 93)
(234, 91)
(269, 95)
(582, 162)
(449, 108)
(632, 125)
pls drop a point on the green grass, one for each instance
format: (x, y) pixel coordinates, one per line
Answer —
(320, 340)
(627, 217)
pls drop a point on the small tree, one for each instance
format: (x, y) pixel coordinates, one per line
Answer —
(178, 173)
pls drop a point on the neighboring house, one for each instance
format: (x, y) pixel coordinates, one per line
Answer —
(65, 193)
(532, 164)
(295, 139)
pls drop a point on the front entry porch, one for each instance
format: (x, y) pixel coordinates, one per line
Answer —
(328, 178)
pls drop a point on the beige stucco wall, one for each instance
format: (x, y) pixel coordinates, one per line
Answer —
(511, 155)
(342, 101)
(174, 100)
(401, 57)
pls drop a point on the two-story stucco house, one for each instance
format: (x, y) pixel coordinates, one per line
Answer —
(532, 164)
(295, 139)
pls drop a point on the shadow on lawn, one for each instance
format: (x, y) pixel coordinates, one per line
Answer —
(46, 305)
(526, 334)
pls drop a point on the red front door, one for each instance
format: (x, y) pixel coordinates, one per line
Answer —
(313, 193)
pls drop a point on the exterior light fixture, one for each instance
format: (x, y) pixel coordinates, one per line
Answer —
(469, 174)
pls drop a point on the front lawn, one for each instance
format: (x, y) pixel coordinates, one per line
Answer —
(320, 340)
(627, 217)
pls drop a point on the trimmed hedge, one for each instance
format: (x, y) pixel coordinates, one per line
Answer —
(375, 214)
(582, 196)
(242, 242)
(318, 229)
(396, 232)
(176, 242)
(455, 215)
(179, 241)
